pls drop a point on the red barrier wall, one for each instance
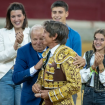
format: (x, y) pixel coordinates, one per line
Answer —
(78, 9)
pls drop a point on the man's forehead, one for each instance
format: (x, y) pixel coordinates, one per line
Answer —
(38, 33)
(58, 9)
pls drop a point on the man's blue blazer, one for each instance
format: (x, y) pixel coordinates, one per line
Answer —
(26, 58)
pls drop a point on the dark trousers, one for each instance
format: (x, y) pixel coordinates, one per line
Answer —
(93, 98)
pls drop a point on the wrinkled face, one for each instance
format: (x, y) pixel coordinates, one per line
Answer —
(17, 18)
(99, 42)
(37, 40)
(59, 14)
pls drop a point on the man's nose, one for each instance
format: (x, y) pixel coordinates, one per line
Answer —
(43, 34)
(38, 41)
(57, 14)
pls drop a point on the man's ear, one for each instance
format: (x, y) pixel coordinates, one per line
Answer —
(67, 14)
(54, 38)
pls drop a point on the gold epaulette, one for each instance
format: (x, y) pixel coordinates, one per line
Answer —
(63, 53)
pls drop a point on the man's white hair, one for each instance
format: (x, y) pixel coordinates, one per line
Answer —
(35, 27)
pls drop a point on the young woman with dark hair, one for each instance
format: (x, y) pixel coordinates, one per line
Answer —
(14, 35)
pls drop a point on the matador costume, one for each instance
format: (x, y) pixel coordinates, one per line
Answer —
(60, 77)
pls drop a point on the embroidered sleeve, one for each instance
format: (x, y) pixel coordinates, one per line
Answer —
(39, 80)
(73, 82)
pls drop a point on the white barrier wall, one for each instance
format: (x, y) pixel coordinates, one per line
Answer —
(85, 28)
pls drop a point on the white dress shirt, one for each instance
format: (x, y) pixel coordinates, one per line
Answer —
(53, 50)
(85, 74)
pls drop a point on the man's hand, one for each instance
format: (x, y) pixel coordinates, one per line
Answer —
(36, 88)
(79, 61)
(39, 64)
(43, 94)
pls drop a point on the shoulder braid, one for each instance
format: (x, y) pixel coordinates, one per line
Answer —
(63, 53)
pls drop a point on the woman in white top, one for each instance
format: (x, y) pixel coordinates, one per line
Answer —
(93, 75)
(14, 35)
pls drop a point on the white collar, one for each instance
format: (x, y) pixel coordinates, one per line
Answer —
(54, 48)
(45, 49)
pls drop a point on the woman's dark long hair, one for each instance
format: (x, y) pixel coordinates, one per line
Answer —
(15, 6)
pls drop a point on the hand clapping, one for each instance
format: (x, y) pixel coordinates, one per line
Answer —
(19, 37)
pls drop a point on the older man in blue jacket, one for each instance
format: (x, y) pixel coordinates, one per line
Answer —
(25, 70)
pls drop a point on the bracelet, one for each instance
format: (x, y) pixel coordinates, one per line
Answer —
(93, 71)
(102, 70)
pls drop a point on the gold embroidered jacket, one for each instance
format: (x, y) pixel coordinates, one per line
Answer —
(60, 76)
